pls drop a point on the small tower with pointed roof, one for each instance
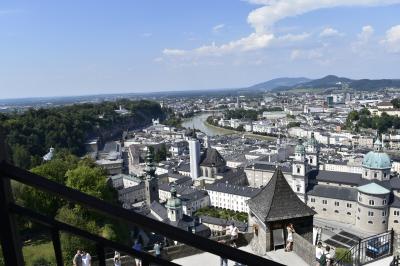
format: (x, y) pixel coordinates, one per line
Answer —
(150, 180)
(272, 209)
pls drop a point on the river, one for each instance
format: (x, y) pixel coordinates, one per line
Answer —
(197, 122)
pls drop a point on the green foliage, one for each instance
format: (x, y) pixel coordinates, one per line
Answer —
(39, 253)
(222, 213)
(33, 132)
(270, 109)
(396, 102)
(240, 128)
(340, 255)
(241, 114)
(161, 154)
(364, 119)
(42, 262)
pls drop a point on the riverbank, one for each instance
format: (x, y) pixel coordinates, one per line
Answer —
(245, 134)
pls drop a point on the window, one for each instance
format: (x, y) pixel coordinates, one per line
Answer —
(396, 221)
(336, 203)
(298, 188)
(310, 160)
(298, 170)
(366, 173)
(375, 175)
(348, 213)
(383, 221)
(396, 213)
(324, 209)
(312, 199)
(348, 205)
(384, 175)
(371, 202)
(324, 201)
(358, 218)
(336, 211)
(370, 213)
(359, 198)
(370, 222)
(313, 208)
(384, 213)
(384, 202)
(359, 210)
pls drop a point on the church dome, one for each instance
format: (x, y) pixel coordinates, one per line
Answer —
(300, 148)
(174, 201)
(377, 160)
(312, 142)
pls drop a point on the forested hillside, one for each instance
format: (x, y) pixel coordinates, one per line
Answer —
(32, 133)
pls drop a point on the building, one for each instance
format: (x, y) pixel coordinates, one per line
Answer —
(272, 209)
(231, 197)
(194, 150)
(150, 181)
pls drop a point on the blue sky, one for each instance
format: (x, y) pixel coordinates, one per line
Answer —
(55, 48)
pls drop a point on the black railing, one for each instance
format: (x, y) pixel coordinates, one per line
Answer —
(369, 249)
(395, 261)
(12, 250)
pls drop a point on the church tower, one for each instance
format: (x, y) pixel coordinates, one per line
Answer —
(150, 180)
(312, 151)
(174, 206)
(300, 169)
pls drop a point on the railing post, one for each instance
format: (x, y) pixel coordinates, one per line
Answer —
(10, 240)
(100, 254)
(55, 236)
(358, 253)
(391, 242)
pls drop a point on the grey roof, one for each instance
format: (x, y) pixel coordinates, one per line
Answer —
(181, 189)
(184, 167)
(333, 192)
(130, 189)
(211, 157)
(234, 176)
(159, 209)
(335, 177)
(277, 201)
(195, 195)
(267, 167)
(233, 189)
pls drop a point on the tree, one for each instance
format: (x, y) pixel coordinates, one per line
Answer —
(396, 102)
(21, 156)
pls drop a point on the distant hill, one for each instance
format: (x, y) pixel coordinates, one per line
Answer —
(283, 84)
(278, 82)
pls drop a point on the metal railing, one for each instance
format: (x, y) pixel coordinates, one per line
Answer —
(12, 250)
(369, 249)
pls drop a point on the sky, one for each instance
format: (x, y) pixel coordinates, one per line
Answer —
(74, 47)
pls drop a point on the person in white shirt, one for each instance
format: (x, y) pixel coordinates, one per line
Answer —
(233, 231)
(318, 252)
(329, 257)
(86, 259)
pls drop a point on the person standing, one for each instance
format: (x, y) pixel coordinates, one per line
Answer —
(223, 261)
(289, 240)
(318, 253)
(138, 247)
(86, 259)
(157, 249)
(77, 260)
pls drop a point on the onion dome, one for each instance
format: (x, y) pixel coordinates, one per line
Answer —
(174, 201)
(377, 159)
(300, 149)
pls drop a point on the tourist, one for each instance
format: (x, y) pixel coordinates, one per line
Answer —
(233, 231)
(157, 249)
(289, 240)
(329, 257)
(117, 260)
(77, 260)
(86, 259)
(138, 247)
(318, 252)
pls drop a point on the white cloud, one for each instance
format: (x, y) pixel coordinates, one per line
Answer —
(366, 33)
(363, 39)
(174, 52)
(392, 39)
(294, 37)
(264, 18)
(218, 28)
(329, 32)
(312, 54)
(147, 34)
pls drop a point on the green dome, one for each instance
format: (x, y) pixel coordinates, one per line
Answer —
(312, 141)
(174, 202)
(300, 148)
(377, 160)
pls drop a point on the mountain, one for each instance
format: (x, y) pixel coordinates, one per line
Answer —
(330, 81)
(278, 82)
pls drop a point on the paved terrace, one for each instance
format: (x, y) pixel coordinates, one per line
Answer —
(286, 258)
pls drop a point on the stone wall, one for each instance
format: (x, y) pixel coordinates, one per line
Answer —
(304, 249)
(182, 250)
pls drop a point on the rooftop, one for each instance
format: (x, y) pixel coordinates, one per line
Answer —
(373, 189)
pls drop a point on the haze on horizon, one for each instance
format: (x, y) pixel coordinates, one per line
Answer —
(59, 48)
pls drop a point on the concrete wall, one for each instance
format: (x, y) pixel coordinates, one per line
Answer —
(345, 212)
(304, 249)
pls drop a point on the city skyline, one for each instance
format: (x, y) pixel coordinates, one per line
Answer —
(61, 49)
